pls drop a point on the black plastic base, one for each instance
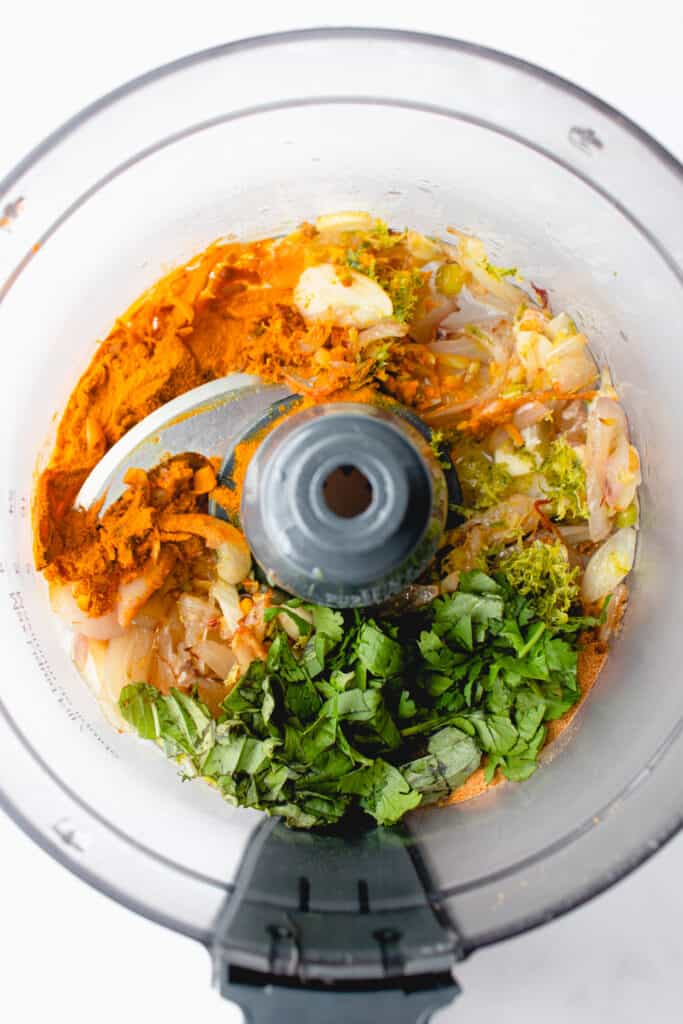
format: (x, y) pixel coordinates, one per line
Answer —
(326, 928)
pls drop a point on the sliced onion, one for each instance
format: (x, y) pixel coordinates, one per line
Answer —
(615, 613)
(450, 583)
(500, 341)
(463, 346)
(290, 625)
(609, 565)
(154, 611)
(571, 421)
(533, 349)
(497, 526)
(233, 562)
(612, 466)
(599, 437)
(423, 328)
(345, 220)
(422, 248)
(162, 675)
(134, 594)
(80, 651)
(515, 513)
(469, 313)
(63, 604)
(255, 620)
(247, 648)
(449, 414)
(571, 366)
(384, 329)
(174, 665)
(227, 598)
(501, 294)
(197, 616)
(622, 475)
(529, 414)
(576, 533)
(212, 693)
(126, 659)
(218, 657)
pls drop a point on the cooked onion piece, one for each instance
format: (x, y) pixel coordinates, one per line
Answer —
(609, 565)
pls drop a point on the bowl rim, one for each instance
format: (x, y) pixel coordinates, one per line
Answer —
(338, 32)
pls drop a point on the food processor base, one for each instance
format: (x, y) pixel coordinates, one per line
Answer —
(316, 922)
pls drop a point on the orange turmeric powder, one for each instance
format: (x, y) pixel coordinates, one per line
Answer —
(229, 498)
(230, 309)
(97, 554)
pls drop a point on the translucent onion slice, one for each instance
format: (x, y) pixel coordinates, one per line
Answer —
(233, 562)
(63, 604)
(197, 616)
(500, 293)
(570, 364)
(218, 657)
(384, 329)
(344, 220)
(609, 565)
(226, 597)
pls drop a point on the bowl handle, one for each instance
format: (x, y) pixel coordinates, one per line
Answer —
(332, 927)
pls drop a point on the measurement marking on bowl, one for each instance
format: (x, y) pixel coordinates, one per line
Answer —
(585, 139)
(48, 672)
(71, 836)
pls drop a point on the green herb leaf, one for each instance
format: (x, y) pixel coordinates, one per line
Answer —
(378, 653)
(384, 792)
(452, 757)
(309, 733)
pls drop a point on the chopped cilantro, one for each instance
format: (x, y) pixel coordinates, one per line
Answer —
(311, 732)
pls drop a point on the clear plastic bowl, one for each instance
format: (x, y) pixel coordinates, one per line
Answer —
(251, 138)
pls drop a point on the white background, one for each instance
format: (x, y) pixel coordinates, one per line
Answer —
(65, 950)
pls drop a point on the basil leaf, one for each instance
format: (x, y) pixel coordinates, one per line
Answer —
(384, 792)
(138, 705)
(452, 757)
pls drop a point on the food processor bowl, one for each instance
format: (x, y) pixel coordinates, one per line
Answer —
(249, 139)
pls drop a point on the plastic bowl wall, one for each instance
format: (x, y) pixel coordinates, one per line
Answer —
(250, 139)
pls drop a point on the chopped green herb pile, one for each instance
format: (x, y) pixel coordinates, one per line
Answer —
(365, 713)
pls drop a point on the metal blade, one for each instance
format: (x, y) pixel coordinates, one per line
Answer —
(208, 420)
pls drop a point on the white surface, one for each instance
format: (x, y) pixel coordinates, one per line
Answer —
(85, 957)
